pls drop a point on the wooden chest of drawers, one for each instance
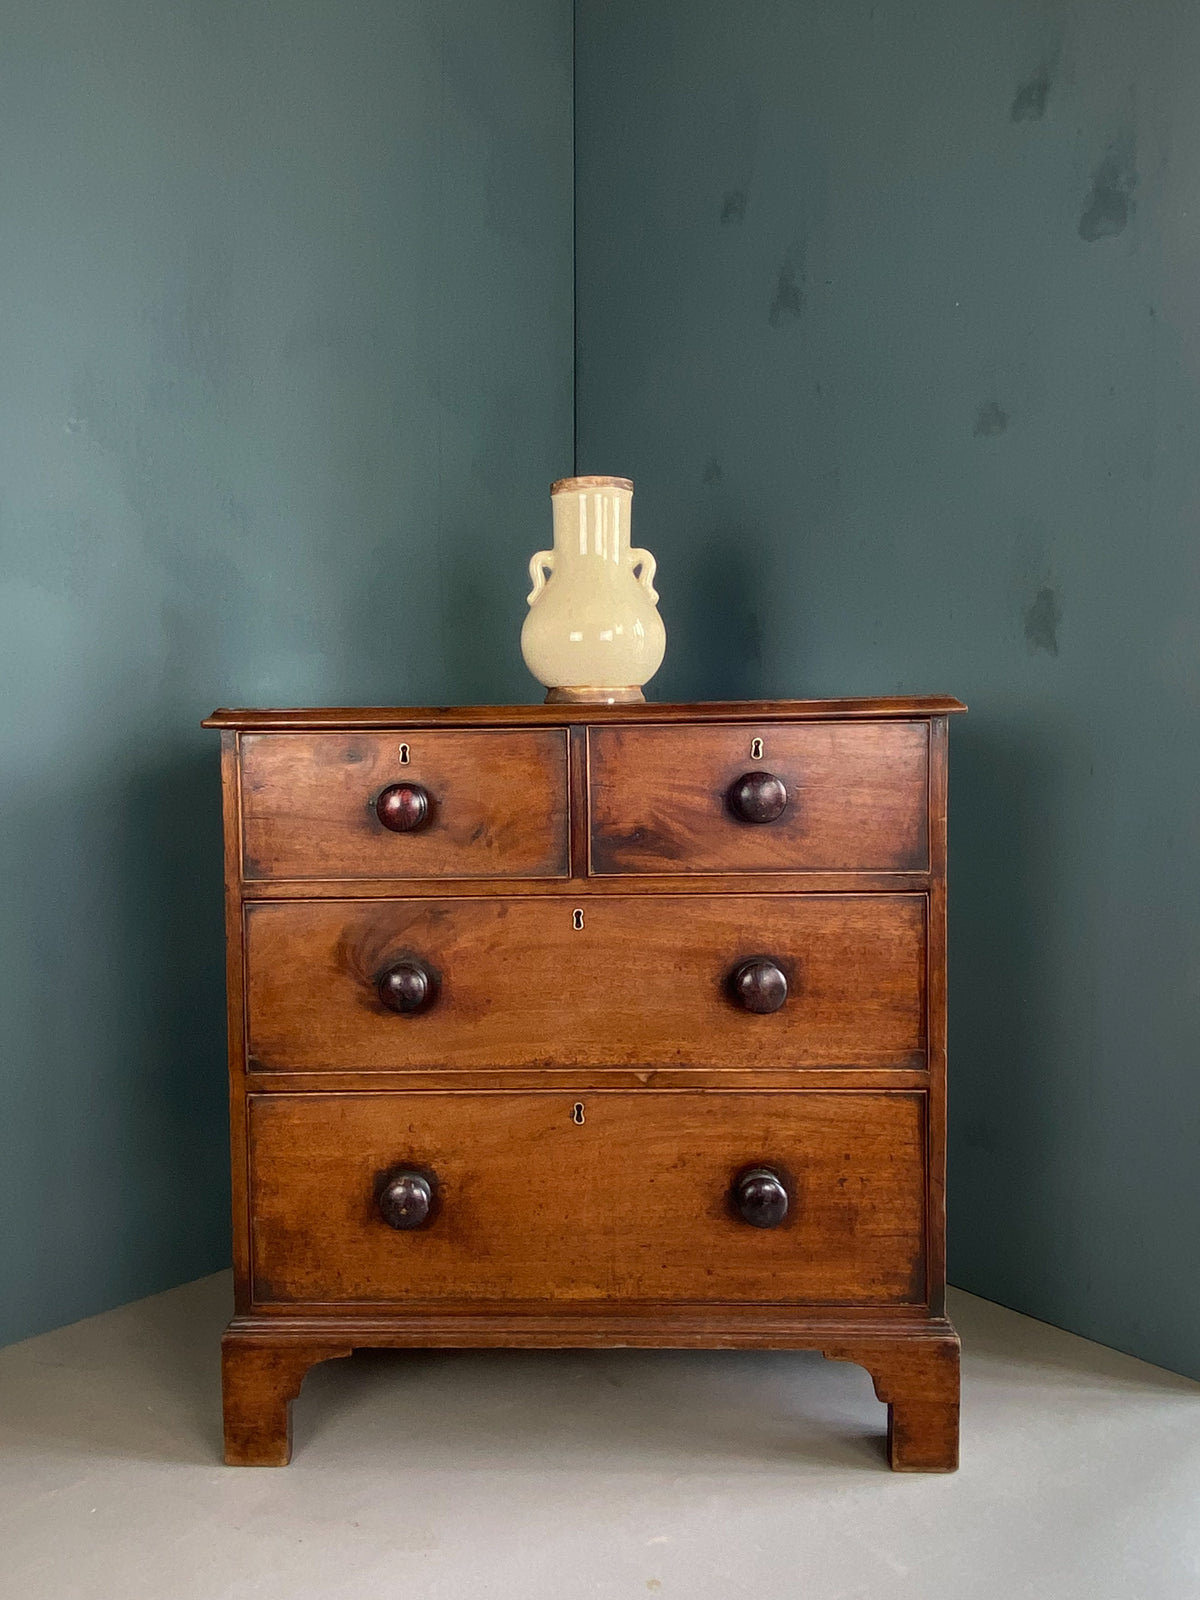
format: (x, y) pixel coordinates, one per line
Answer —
(556, 1026)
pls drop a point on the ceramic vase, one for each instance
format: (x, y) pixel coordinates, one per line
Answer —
(593, 632)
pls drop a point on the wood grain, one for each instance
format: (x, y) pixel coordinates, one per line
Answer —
(574, 1079)
(633, 1203)
(936, 1000)
(520, 985)
(235, 1025)
(857, 797)
(918, 1378)
(765, 883)
(498, 804)
(259, 1380)
(622, 1228)
(355, 717)
(593, 1324)
(910, 1355)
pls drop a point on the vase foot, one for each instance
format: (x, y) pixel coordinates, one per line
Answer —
(587, 695)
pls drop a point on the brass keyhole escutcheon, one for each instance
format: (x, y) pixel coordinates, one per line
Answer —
(577, 920)
(403, 755)
(577, 1111)
(756, 749)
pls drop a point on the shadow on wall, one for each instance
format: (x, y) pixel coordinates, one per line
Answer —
(1006, 1101)
(173, 837)
(168, 836)
(115, 1039)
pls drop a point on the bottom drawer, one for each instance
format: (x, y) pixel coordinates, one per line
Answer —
(616, 1196)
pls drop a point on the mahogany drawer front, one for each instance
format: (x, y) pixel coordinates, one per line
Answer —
(855, 798)
(495, 804)
(513, 982)
(636, 1201)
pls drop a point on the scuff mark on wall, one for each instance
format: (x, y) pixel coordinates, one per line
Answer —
(1110, 200)
(1029, 102)
(1042, 618)
(990, 419)
(733, 207)
(788, 301)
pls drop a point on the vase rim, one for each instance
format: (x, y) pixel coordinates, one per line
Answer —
(569, 485)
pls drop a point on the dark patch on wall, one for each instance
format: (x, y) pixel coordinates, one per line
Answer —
(1029, 102)
(991, 419)
(979, 1134)
(733, 207)
(788, 301)
(1109, 202)
(712, 470)
(1042, 618)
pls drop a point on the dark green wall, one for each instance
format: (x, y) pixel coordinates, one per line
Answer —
(892, 311)
(285, 370)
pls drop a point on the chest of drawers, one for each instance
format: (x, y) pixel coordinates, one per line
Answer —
(589, 1026)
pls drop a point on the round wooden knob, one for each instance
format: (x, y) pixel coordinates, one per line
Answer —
(406, 1198)
(404, 807)
(760, 1197)
(757, 797)
(758, 985)
(408, 987)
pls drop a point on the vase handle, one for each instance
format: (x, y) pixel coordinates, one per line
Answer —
(541, 563)
(648, 565)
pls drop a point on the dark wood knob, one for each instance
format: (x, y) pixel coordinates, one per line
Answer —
(758, 985)
(404, 807)
(406, 1198)
(761, 1197)
(408, 987)
(757, 797)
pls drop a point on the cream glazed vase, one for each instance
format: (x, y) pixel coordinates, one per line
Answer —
(593, 633)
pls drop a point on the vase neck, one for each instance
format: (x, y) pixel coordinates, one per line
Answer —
(592, 522)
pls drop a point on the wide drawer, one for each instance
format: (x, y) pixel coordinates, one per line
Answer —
(846, 797)
(613, 1196)
(617, 981)
(494, 804)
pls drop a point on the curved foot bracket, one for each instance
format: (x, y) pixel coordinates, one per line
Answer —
(917, 1377)
(259, 1379)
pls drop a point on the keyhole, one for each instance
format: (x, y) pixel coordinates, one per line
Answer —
(756, 750)
(577, 1111)
(403, 755)
(578, 921)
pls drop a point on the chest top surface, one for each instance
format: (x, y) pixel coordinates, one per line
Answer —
(316, 718)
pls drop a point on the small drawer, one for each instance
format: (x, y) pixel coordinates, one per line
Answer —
(715, 981)
(433, 803)
(810, 1197)
(784, 797)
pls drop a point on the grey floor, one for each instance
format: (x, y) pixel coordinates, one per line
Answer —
(615, 1473)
